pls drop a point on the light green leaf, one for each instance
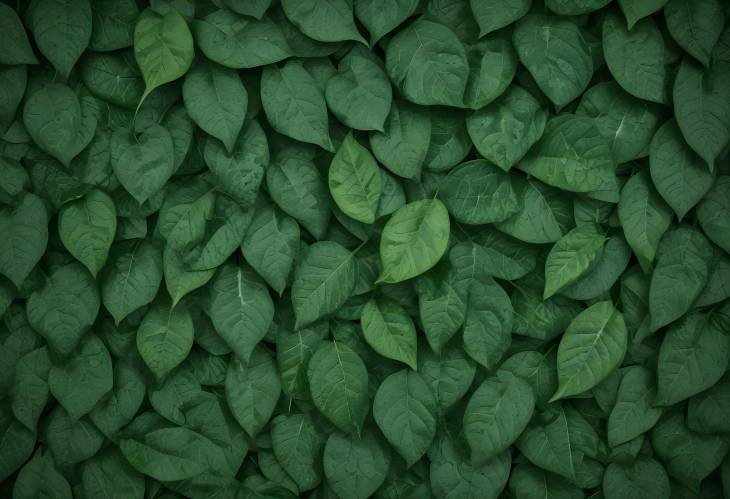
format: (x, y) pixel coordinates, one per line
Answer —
(62, 30)
(405, 411)
(389, 330)
(354, 181)
(496, 415)
(240, 308)
(164, 338)
(591, 348)
(216, 100)
(684, 255)
(573, 256)
(555, 53)
(163, 47)
(323, 281)
(252, 390)
(65, 307)
(428, 63)
(413, 240)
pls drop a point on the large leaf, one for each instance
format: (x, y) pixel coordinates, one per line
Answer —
(413, 240)
(354, 181)
(591, 348)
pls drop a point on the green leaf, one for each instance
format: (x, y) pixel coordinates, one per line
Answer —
(354, 181)
(635, 11)
(405, 411)
(684, 255)
(545, 217)
(488, 322)
(380, 17)
(297, 187)
(40, 478)
(636, 58)
(81, 381)
(240, 42)
(323, 281)
(626, 122)
(14, 39)
(216, 100)
(163, 47)
(452, 473)
(403, 145)
(25, 229)
(555, 53)
(634, 413)
(713, 213)
(706, 411)
(180, 280)
(355, 467)
(492, 15)
(109, 470)
(644, 216)
(505, 130)
(701, 108)
(575, 7)
(449, 373)
(131, 277)
(29, 391)
(65, 307)
(497, 413)
(413, 240)
(240, 308)
(591, 348)
(695, 26)
(442, 294)
(252, 390)
(496, 255)
(531, 482)
(298, 446)
(62, 30)
(572, 257)
(295, 105)
(87, 228)
(59, 121)
(359, 95)
(389, 330)
(572, 155)
(428, 64)
(116, 409)
(477, 192)
(338, 382)
(113, 24)
(164, 338)
(327, 21)
(692, 358)
(546, 443)
(677, 172)
(142, 164)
